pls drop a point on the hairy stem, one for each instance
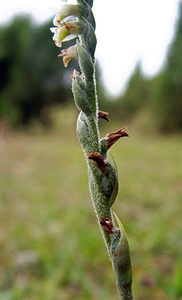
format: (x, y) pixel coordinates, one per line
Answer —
(77, 20)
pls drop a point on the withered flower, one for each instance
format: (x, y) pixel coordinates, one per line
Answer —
(103, 115)
(98, 161)
(106, 224)
(114, 136)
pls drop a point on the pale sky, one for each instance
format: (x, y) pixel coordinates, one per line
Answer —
(127, 31)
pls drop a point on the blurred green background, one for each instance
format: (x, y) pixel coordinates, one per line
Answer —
(50, 244)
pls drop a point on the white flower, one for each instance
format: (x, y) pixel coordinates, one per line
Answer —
(65, 32)
(65, 11)
(68, 54)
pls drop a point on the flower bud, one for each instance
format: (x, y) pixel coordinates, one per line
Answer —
(79, 93)
(88, 38)
(90, 2)
(87, 12)
(85, 62)
(83, 133)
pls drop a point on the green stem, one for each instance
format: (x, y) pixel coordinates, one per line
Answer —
(102, 176)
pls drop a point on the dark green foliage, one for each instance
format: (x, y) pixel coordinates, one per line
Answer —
(168, 105)
(31, 75)
(136, 95)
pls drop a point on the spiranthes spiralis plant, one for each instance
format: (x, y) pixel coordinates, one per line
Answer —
(76, 20)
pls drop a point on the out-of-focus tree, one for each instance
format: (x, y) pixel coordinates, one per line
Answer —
(136, 93)
(31, 77)
(168, 96)
(135, 97)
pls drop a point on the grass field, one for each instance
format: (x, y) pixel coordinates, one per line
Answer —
(50, 244)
